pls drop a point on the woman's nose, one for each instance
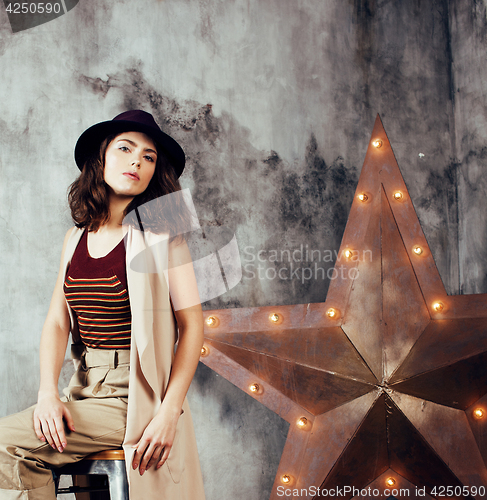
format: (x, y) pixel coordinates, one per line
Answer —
(136, 163)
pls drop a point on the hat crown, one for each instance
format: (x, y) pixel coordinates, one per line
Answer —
(138, 116)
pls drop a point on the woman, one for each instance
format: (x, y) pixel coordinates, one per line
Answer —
(121, 290)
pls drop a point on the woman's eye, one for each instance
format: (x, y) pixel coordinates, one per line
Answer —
(149, 158)
(124, 148)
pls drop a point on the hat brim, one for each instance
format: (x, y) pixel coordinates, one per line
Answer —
(90, 140)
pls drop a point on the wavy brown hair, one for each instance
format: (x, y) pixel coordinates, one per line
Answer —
(89, 202)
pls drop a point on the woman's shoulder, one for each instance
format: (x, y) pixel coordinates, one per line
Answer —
(72, 232)
(71, 238)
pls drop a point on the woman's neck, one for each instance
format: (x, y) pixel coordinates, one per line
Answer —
(117, 206)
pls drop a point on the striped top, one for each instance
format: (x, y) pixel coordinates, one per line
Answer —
(96, 290)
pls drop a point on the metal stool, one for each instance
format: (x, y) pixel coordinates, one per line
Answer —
(110, 463)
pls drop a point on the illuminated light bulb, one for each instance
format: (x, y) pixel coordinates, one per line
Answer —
(348, 253)
(377, 143)
(212, 321)
(363, 197)
(274, 317)
(438, 306)
(286, 478)
(390, 481)
(397, 195)
(255, 388)
(417, 250)
(478, 413)
(302, 422)
(204, 351)
(332, 313)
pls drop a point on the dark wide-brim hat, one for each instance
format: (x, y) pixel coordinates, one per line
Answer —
(135, 120)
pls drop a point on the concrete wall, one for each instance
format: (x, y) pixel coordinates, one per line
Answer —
(274, 102)
(469, 42)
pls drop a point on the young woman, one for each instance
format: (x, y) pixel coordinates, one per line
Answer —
(126, 291)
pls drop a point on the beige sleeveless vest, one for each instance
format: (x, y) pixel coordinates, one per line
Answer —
(151, 353)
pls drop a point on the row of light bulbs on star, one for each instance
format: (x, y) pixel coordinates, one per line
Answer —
(254, 388)
(332, 313)
(417, 249)
(478, 413)
(397, 195)
(287, 479)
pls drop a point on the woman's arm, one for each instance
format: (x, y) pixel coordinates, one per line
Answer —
(158, 437)
(50, 411)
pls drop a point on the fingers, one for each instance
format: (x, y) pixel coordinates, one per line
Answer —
(156, 454)
(147, 454)
(146, 457)
(69, 419)
(163, 458)
(49, 426)
(151, 456)
(55, 429)
(141, 446)
(37, 428)
(156, 442)
(60, 436)
(47, 433)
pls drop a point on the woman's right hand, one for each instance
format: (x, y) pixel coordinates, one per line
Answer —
(49, 417)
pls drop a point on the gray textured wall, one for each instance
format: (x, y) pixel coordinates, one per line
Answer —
(469, 89)
(274, 102)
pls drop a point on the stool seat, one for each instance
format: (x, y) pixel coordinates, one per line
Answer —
(109, 463)
(107, 455)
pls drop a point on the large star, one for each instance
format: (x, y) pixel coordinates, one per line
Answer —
(384, 381)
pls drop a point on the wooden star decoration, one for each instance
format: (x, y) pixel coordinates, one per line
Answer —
(384, 384)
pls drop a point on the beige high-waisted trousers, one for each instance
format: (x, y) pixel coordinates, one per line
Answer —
(97, 399)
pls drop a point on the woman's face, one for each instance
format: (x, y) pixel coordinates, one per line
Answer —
(130, 161)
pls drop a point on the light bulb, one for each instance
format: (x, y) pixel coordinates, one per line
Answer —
(274, 317)
(363, 197)
(438, 306)
(255, 388)
(397, 195)
(212, 321)
(286, 478)
(390, 481)
(204, 351)
(302, 422)
(417, 250)
(348, 253)
(478, 413)
(377, 143)
(332, 313)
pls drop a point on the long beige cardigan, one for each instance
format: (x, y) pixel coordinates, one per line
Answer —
(151, 355)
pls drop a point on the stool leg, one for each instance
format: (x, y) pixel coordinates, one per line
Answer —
(83, 481)
(117, 481)
(56, 481)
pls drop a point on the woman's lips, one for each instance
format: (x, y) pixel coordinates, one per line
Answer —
(132, 175)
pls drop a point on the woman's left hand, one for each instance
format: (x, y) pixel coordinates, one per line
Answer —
(156, 441)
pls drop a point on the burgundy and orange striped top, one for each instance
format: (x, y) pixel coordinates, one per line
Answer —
(96, 289)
